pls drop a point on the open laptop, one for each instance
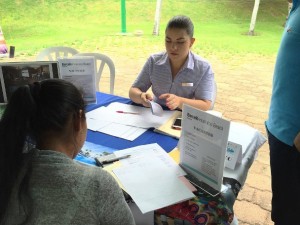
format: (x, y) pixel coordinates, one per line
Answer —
(15, 74)
(203, 146)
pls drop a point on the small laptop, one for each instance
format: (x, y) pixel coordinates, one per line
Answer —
(203, 146)
(16, 74)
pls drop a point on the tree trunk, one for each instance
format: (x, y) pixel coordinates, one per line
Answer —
(253, 19)
(157, 17)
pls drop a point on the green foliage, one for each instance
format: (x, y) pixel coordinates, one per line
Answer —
(221, 26)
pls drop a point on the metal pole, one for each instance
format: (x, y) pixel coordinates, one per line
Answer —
(123, 15)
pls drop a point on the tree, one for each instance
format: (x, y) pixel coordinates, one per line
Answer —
(253, 18)
(157, 17)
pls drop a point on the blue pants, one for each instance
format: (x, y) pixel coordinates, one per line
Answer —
(285, 172)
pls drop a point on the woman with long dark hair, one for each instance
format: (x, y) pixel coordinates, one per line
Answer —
(43, 185)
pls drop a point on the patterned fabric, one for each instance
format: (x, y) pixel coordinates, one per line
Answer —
(204, 209)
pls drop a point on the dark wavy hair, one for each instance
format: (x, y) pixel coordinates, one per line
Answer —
(31, 113)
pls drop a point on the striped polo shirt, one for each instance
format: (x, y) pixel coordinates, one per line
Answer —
(195, 80)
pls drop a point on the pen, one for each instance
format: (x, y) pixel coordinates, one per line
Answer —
(98, 163)
(135, 113)
(115, 159)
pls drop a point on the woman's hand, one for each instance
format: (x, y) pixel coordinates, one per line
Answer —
(172, 101)
(146, 97)
(139, 97)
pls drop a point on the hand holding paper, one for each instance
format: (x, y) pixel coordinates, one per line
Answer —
(156, 108)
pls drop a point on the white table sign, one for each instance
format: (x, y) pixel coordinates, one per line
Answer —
(233, 155)
(81, 71)
(203, 144)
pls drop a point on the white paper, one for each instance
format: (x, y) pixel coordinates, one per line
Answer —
(203, 144)
(81, 71)
(133, 115)
(122, 131)
(156, 108)
(152, 187)
(96, 125)
(115, 129)
(149, 176)
(141, 154)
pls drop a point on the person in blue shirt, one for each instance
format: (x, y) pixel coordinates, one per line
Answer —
(283, 125)
(177, 76)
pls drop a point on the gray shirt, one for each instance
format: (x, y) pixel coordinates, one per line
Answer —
(65, 192)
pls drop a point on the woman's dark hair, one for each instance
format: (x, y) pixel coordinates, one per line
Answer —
(32, 111)
(181, 22)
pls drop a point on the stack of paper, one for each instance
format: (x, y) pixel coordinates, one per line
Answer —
(124, 121)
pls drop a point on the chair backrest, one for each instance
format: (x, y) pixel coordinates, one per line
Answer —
(214, 96)
(52, 53)
(101, 60)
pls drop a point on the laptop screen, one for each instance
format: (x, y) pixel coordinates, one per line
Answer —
(16, 74)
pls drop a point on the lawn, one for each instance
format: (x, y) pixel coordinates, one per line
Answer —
(221, 26)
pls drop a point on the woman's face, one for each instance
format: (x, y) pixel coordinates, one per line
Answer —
(178, 44)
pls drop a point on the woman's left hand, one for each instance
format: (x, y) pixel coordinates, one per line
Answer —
(172, 101)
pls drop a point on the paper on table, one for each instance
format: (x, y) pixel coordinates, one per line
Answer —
(123, 131)
(140, 156)
(156, 109)
(115, 129)
(165, 188)
(95, 125)
(187, 183)
(142, 116)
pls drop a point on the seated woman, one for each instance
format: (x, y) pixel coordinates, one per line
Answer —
(44, 185)
(177, 76)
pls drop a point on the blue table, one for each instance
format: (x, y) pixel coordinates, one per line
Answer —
(166, 142)
(234, 179)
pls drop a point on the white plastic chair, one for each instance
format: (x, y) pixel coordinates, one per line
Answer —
(214, 96)
(101, 60)
(52, 53)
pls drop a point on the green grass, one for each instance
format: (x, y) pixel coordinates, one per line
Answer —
(221, 26)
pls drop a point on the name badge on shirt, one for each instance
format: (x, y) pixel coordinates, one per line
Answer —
(187, 84)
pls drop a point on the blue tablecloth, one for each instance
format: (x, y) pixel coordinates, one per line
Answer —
(166, 142)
